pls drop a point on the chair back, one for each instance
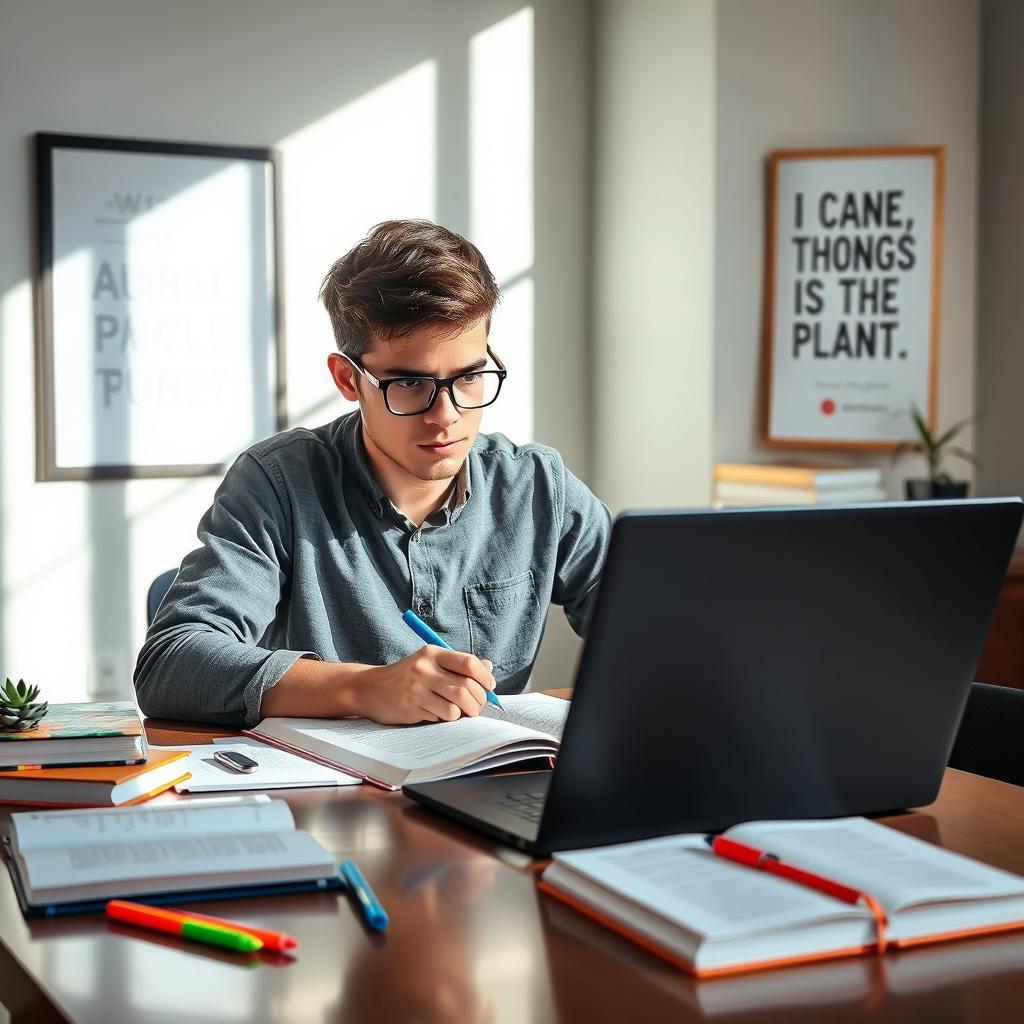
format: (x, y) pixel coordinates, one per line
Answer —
(157, 589)
(990, 741)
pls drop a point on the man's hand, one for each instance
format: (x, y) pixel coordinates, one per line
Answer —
(432, 685)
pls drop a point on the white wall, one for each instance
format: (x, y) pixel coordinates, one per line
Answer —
(641, 253)
(653, 258)
(1000, 336)
(398, 108)
(830, 73)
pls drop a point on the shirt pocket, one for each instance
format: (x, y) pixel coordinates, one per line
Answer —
(505, 622)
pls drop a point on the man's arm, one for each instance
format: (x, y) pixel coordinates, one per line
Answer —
(202, 659)
(582, 547)
(431, 685)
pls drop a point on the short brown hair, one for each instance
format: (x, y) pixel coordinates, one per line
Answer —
(403, 275)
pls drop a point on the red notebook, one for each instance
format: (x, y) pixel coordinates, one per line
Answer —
(711, 916)
(99, 786)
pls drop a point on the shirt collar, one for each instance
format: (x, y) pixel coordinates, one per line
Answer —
(354, 452)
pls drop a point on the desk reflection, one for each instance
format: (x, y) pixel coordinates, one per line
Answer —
(426, 966)
(946, 983)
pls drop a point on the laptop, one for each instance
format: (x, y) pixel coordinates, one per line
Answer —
(745, 664)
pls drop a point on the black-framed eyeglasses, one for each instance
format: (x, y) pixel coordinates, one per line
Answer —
(413, 395)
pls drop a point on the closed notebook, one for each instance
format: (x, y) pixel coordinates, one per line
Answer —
(99, 732)
(99, 786)
(709, 916)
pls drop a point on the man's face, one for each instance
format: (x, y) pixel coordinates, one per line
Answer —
(428, 446)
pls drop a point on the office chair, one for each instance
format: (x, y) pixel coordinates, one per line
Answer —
(157, 589)
(990, 741)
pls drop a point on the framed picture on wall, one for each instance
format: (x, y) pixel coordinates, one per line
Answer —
(158, 340)
(854, 263)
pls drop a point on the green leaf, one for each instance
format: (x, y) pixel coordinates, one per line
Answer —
(962, 453)
(953, 431)
(923, 429)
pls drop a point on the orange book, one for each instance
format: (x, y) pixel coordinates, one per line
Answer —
(713, 916)
(98, 786)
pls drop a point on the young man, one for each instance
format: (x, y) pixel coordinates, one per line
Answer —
(318, 540)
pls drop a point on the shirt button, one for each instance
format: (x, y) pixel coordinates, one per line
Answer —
(423, 607)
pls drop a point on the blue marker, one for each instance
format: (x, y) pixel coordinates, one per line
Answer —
(376, 916)
(424, 632)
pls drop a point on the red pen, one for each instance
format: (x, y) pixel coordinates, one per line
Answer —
(751, 857)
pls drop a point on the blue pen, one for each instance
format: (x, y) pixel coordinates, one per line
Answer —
(424, 632)
(376, 916)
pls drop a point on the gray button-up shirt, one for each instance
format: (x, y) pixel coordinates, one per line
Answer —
(302, 553)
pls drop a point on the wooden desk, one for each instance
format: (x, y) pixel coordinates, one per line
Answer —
(471, 940)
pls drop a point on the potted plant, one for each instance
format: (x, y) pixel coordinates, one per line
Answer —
(935, 448)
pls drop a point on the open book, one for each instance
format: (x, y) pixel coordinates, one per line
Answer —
(530, 725)
(711, 916)
(62, 861)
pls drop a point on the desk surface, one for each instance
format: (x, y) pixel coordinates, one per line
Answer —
(471, 940)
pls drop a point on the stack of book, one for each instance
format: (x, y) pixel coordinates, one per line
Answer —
(750, 484)
(85, 755)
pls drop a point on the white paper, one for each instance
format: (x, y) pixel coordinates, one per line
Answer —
(37, 830)
(679, 878)
(197, 856)
(278, 769)
(898, 870)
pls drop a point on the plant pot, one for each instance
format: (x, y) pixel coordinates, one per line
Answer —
(929, 490)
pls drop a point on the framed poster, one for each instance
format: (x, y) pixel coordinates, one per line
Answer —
(852, 300)
(158, 342)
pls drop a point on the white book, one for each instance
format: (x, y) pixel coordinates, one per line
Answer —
(66, 857)
(730, 493)
(530, 725)
(710, 915)
(816, 477)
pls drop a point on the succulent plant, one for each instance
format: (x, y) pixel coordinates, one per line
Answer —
(19, 709)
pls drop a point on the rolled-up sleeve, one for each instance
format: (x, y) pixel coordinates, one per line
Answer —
(202, 658)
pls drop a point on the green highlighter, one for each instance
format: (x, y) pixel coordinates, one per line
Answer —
(214, 935)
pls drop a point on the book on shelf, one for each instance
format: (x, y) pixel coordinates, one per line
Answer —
(728, 492)
(100, 732)
(95, 785)
(810, 476)
(529, 726)
(708, 915)
(219, 847)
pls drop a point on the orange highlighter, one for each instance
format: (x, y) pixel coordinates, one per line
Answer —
(201, 927)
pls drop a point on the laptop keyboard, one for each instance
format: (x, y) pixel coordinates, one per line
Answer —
(523, 805)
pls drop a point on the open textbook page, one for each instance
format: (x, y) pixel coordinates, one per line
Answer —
(528, 726)
(923, 888)
(709, 914)
(64, 856)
